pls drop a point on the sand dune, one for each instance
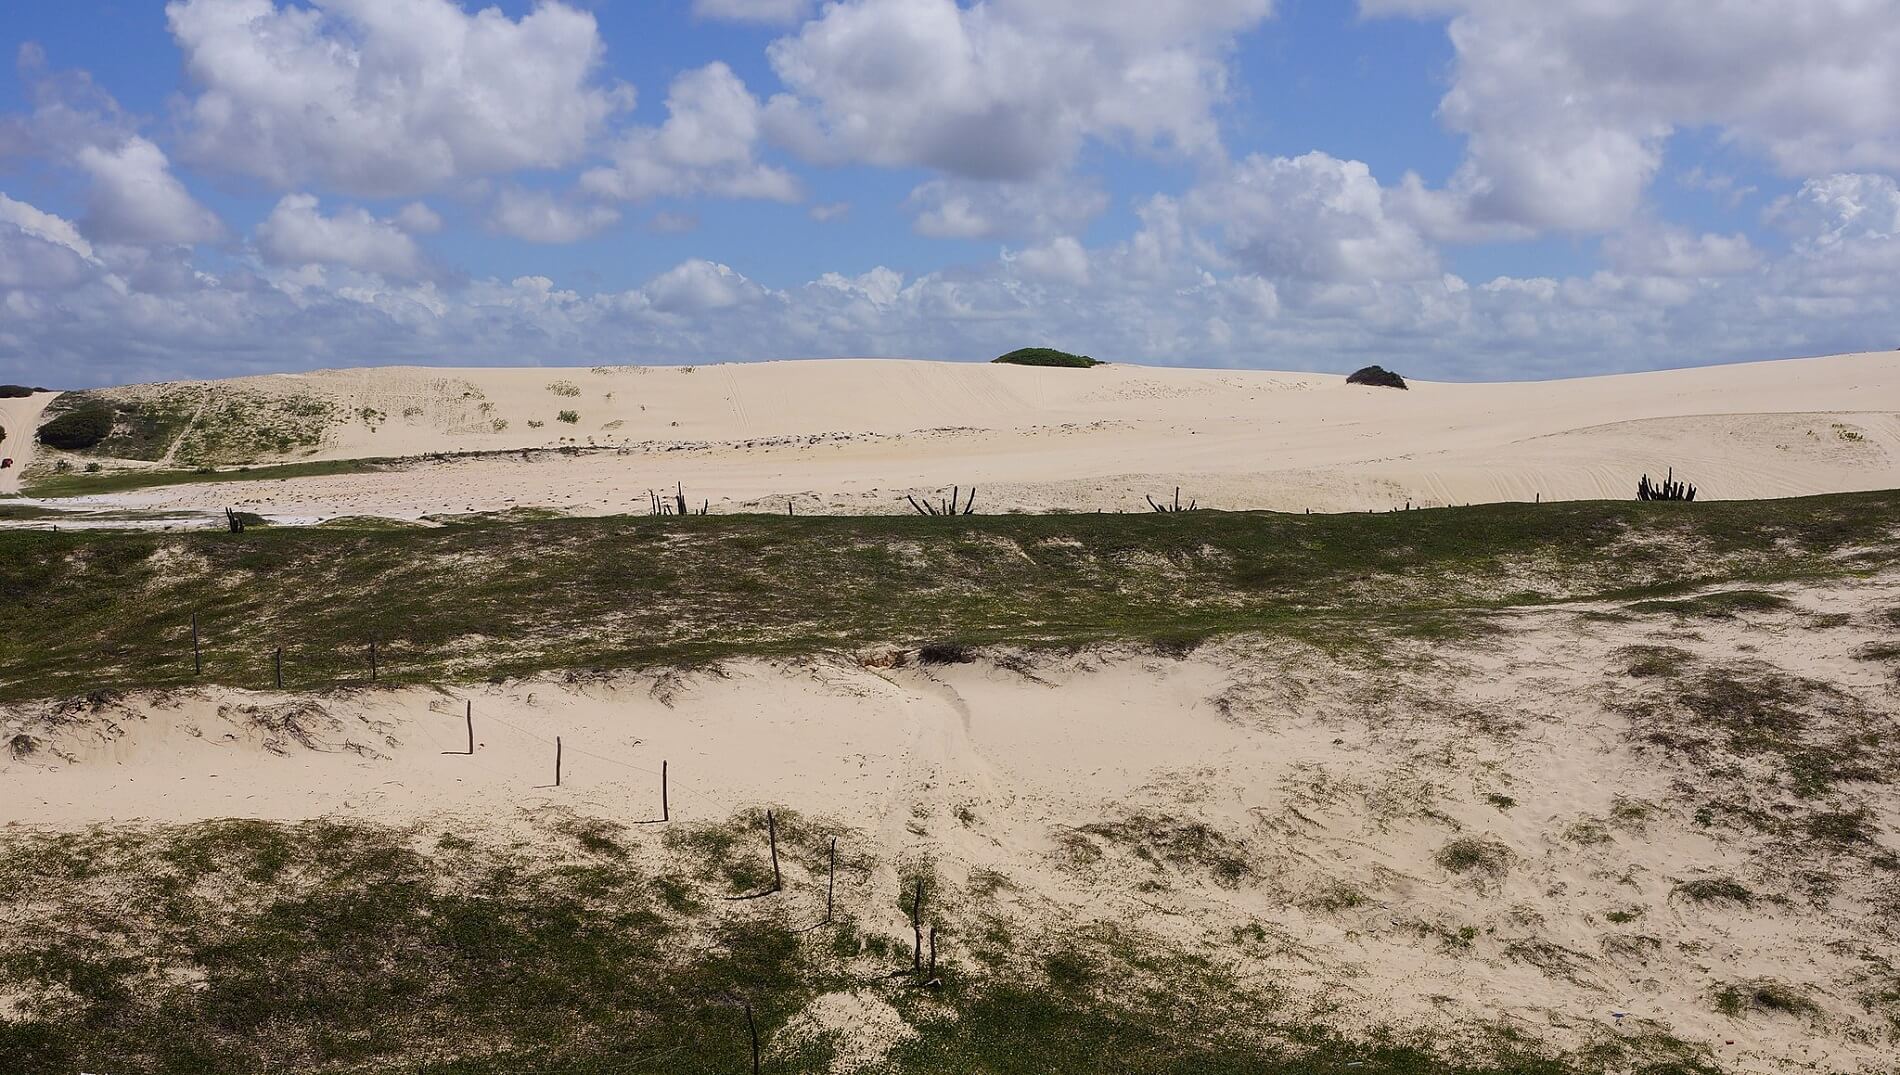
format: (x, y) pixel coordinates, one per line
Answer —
(19, 418)
(1320, 796)
(856, 435)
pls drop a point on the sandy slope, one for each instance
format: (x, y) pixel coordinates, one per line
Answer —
(1320, 777)
(20, 418)
(855, 435)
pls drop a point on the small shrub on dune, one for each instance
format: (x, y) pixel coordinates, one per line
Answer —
(1376, 377)
(945, 653)
(1473, 856)
(16, 391)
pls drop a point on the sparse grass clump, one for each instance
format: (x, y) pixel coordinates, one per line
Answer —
(1654, 662)
(1816, 736)
(1188, 846)
(1334, 897)
(570, 417)
(1736, 1001)
(1716, 890)
(1723, 605)
(1842, 826)
(1475, 856)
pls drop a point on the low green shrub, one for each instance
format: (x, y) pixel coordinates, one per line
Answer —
(1377, 377)
(1045, 356)
(78, 430)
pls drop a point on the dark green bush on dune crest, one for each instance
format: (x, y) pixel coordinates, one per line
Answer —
(1045, 356)
(79, 429)
(17, 391)
(1376, 376)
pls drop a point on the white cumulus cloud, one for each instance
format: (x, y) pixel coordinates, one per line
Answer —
(706, 146)
(1003, 90)
(388, 97)
(136, 199)
(297, 233)
(540, 217)
(1567, 104)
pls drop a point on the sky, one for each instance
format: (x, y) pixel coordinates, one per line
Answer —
(1456, 189)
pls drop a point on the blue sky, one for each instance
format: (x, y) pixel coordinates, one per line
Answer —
(1455, 188)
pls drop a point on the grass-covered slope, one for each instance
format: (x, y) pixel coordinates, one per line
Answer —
(245, 946)
(87, 611)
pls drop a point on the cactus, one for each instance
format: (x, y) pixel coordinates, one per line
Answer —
(1668, 489)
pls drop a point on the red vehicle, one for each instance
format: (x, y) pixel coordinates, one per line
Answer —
(6, 464)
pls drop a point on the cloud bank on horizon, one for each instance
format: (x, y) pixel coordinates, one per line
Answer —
(1457, 188)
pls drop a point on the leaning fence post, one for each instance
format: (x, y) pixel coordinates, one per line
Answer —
(471, 727)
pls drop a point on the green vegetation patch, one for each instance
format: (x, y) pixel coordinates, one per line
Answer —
(1045, 356)
(237, 425)
(335, 948)
(1776, 998)
(1815, 736)
(85, 611)
(1717, 606)
(77, 429)
(142, 426)
(1715, 890)
(71, 484)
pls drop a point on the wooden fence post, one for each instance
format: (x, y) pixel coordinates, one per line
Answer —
(917, 930)
(831, 879)
(665, 813)
(771, 834)
(372, 658)
(557, 761)
(280, 667)
(197, 653)
(752, 1028)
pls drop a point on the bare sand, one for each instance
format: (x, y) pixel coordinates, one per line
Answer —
(20, 419)
(856, 436)
(1327, 787)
